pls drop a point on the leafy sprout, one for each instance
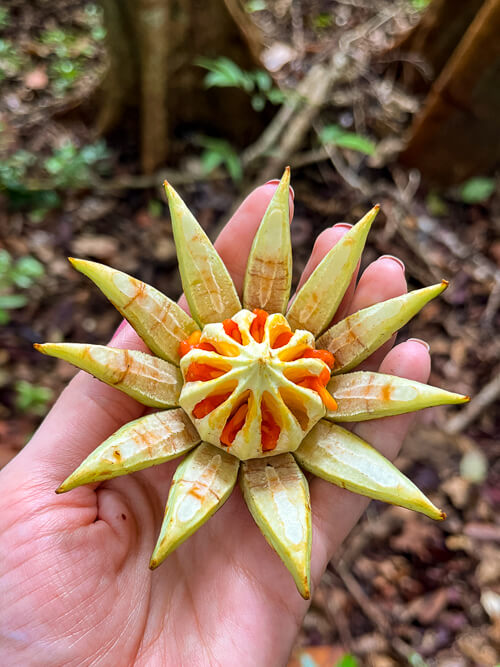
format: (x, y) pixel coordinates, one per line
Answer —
(22, 273)
(337, 136)
(225, 73)
(217, 153)
(477, 190)
(32, 398)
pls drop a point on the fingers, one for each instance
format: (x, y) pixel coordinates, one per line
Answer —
(235, 240)
(322, 246)
(89, 411)
(383, 279)
(335, 510)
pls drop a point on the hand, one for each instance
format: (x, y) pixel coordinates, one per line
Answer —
(74, 579)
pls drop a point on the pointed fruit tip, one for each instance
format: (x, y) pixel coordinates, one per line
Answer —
(442, 515)
(60, 489)
(445, 283)
(153, 564)
(38, 346)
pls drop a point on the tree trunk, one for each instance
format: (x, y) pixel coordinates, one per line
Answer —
(153, 80)
(432, 41)
(456, 134)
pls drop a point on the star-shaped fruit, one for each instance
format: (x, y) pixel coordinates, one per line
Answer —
(254, 391)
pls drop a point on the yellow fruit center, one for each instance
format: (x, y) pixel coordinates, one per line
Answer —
(252, 386)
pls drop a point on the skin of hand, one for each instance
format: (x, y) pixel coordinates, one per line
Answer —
(75, 587)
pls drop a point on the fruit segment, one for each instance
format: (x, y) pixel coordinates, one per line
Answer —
(202, 483)
(365, 395)
(209, 289)
(269, 270)
(142, 443)
(353, 339)
(149, 380)
(340, 457)
(248, 397)
(158, 320)
(319, 298)
(277, 495)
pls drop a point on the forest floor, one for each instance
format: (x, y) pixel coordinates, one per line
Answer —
(403, 590)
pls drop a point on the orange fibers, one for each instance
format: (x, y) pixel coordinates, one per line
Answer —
(233, 425)
(282, 339)
(269, 429)
(202, 372)
(232, 330)
(323, 355)
(205, 407)
(257, 326)
(192, 343)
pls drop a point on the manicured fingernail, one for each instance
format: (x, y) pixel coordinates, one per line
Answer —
(121, 326)
(343, 225)
(394, 259)
(422, 342)
(276, 181)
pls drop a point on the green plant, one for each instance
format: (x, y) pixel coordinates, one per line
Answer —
(219, 152)
(322, 21)
(11, 60)
(225, 73)
(70, 166)
(32, 398)
(347, 660)
(477, 190)
(31, 182)
(337, 136)
(419, 5)
(22, 274)
(4, 17)
(64, 73)
(255, 6)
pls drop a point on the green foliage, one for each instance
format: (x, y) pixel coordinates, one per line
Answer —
(322, 21)
(72, 167)
(477, 190)
(11, 59)
(255, 6)
(22, 274)
(64, 73)
(93, 15)
(347, 660)
(32, 398)
(4, 17)
(419, 5)
(69, 49)
(436, 204)
(225, 73)
(337, 136)
(219, 152)
(31, 182)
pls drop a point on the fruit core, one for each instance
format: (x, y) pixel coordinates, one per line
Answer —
(252, 386)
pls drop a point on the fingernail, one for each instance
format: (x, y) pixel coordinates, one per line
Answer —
(276, 181)
(121, 326)
(394, 259)
(422, 342)
(344, 225)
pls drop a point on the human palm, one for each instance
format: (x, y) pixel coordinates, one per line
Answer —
(74, 579)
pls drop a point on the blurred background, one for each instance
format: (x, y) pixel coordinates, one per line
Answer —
(368, 100)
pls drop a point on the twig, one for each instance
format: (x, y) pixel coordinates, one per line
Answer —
(493, 304)
(488, 394)
(145, 181)
(402, 649)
